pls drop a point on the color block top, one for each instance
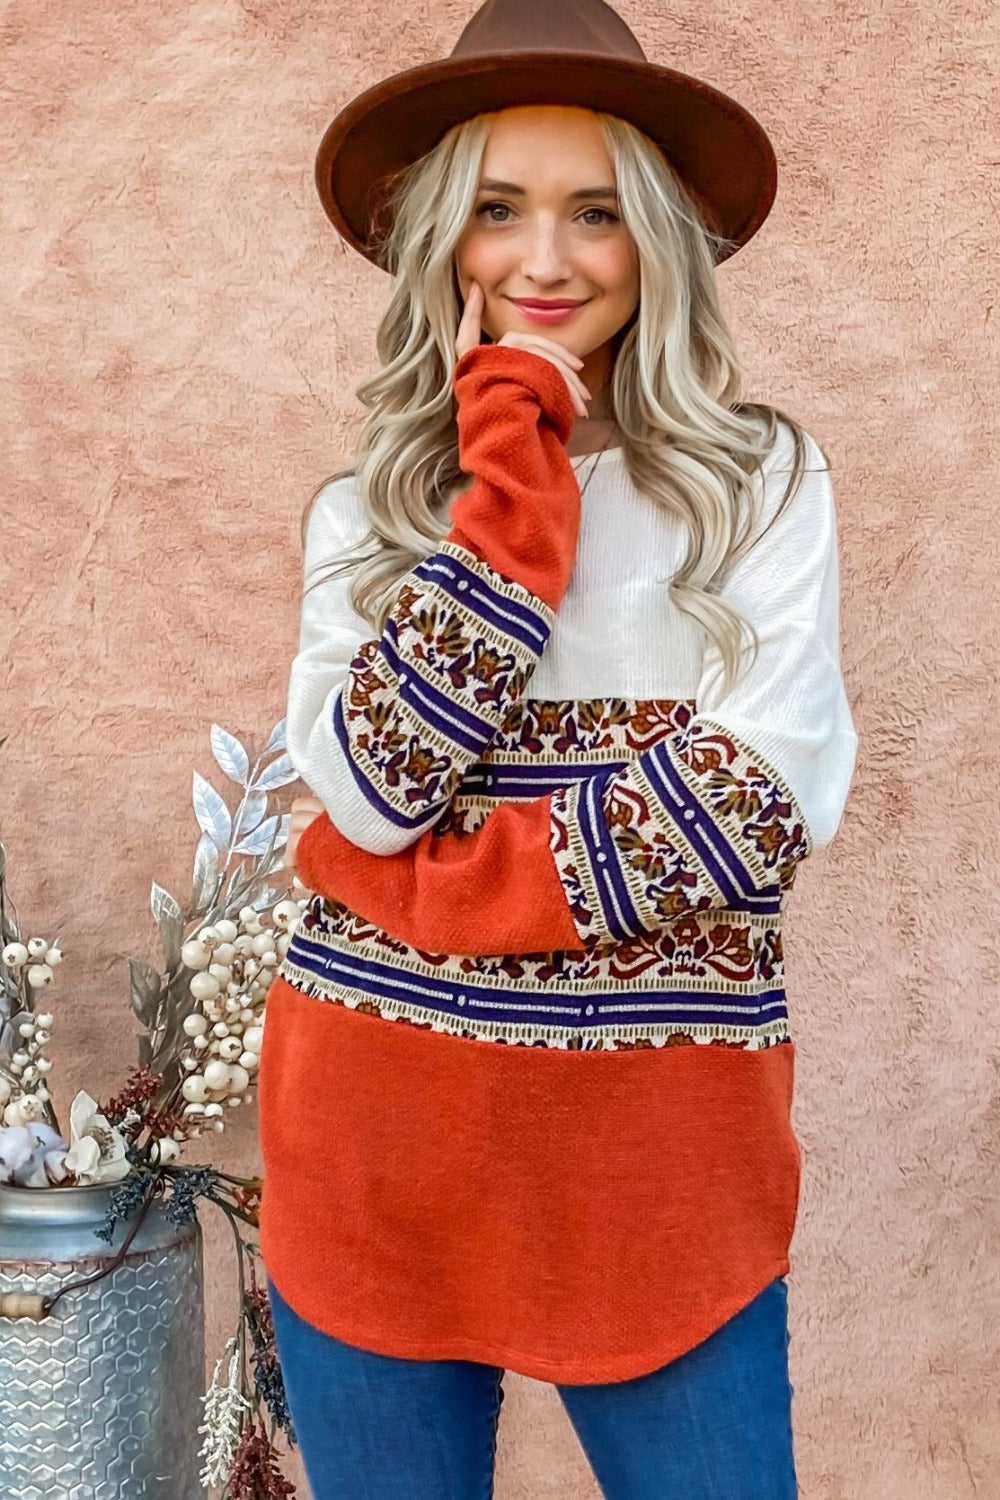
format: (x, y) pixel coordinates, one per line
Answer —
(527, 1075)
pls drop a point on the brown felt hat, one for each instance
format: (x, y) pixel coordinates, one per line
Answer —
(577, 52)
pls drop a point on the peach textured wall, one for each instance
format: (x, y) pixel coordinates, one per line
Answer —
(183, 334)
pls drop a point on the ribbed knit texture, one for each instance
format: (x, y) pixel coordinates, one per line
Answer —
(526, 1082)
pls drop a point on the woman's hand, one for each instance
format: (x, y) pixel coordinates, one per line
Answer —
(469, 336)
(304, 811)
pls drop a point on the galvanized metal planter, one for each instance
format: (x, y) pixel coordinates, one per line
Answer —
(101, 1397)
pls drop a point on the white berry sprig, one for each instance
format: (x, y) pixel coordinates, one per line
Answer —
(27, 968)
(204, 1013)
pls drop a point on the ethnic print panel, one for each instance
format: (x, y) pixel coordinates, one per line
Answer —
(702, 977)
(425, 702)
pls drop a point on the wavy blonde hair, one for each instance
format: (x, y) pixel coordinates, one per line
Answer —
(688, 439)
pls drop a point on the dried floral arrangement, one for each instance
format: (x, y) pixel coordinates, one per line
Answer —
(203, 1013)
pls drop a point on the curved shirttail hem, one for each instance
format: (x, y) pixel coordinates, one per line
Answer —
(536, 1367)
(549, 1209)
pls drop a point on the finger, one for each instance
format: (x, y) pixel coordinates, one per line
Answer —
(469, 331)
(549, 346)
(561, 358)
(309, 805)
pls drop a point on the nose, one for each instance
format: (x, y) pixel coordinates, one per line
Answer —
(544, 257)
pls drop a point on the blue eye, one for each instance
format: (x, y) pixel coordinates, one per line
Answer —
(487, 208)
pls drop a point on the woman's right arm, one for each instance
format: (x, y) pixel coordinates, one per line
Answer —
(383, 730)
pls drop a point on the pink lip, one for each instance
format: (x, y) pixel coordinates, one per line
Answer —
(547, 312)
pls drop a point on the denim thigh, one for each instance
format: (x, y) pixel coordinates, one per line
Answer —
(715, 1424)
(376, 1427)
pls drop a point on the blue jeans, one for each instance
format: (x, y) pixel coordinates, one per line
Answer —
(714, 1424)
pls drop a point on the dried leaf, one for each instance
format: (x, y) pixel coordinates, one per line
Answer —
(206, 873)
(250, 813)
(278, 773)
(263, 839)
(145, 990)
(211, 811)
(171, 939)
(163, 905)
(276, 739)
(230, 754)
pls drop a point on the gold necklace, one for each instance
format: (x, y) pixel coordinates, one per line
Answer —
(593, 466)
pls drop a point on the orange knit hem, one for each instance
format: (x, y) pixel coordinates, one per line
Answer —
(590, 1371)
(576, 1216)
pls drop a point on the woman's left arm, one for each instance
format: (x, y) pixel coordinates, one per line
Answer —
(717, 814)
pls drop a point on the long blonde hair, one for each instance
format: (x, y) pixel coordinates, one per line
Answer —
(690, 443)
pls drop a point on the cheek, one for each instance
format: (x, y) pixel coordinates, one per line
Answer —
(622, 271)
(480, 260)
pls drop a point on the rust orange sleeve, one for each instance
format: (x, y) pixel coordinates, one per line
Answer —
(522, 512)
(496, 890)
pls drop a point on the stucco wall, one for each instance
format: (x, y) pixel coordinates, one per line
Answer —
(183, 334)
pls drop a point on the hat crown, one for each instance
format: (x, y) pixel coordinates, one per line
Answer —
(587, 26)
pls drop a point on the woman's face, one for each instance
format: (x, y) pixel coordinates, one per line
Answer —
(539, 231)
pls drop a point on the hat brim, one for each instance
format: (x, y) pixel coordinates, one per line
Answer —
(718, 149)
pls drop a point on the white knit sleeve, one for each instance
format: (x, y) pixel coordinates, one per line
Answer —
(791, 706)
(383, 729)
(721, 812)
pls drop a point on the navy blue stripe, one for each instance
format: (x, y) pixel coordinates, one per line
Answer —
(420, 818)
(702, 833)
(497, 780)
(552, 1006)
(620, 916)
(438, 709)
(513, 619)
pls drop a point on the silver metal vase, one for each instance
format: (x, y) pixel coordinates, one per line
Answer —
(100, 1399)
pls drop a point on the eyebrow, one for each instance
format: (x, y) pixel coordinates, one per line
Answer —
(493, 185)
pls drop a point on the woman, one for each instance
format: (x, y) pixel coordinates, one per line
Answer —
(527, 1075)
